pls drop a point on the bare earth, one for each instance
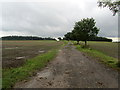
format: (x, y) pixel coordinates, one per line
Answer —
(72, 69)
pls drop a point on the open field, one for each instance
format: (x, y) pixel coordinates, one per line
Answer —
(15, 53)
(108, 48)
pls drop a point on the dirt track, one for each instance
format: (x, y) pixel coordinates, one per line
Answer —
(72, 69)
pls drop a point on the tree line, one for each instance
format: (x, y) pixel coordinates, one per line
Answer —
(93, 39)
(85, 30)
(25, 38)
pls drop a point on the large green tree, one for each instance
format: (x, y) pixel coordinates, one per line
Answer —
(114, 6)
(86, 29)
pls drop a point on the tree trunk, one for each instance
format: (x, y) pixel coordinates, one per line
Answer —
(85, 43)
(77, 42)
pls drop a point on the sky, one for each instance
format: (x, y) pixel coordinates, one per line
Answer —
(53, 18)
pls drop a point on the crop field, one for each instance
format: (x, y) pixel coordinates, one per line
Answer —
(108, 48)
(15, 53)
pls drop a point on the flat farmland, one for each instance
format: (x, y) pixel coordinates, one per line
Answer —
(108, 48)
(15, 53)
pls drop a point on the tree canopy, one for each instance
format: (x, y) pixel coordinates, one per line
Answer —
(114, 6)
(83, 30)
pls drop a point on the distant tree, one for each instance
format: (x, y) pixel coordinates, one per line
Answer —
(68, 36)
(100, 39)
(76, 36)
(114, 6)
(86, 29)
(25, 38)
(59, 38)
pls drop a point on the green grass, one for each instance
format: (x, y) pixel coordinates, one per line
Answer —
(11, 76)
(108, 60)
(108, 48)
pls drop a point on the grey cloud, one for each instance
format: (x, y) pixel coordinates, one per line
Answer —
(54, 18)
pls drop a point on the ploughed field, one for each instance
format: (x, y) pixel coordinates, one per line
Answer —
(15, 53)
(108, 48)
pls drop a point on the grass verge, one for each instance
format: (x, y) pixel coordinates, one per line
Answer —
(110, 61)
(11, 76)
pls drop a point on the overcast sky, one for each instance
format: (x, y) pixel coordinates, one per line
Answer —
(53, 18)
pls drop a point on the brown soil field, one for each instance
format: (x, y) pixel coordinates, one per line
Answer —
(15, 53)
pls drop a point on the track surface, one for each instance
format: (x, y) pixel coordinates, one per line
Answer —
(72, 69)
